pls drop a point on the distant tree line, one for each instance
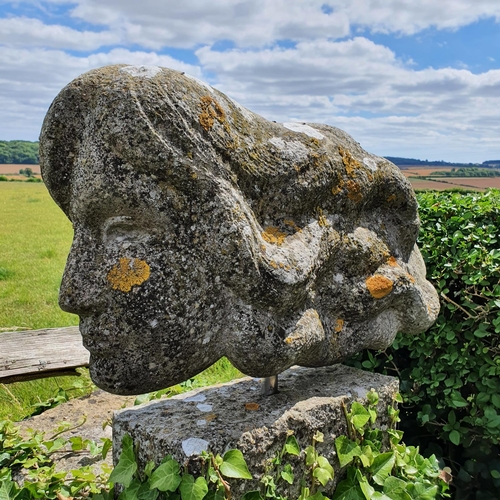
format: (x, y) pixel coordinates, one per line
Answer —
(413, 161)
(467, 172)
(19, 152)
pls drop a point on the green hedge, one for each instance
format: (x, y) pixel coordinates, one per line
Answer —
(450, 375)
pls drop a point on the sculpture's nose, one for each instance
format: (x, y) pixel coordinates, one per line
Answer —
(83, 281)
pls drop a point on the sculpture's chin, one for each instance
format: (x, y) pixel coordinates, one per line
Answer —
(124, 377)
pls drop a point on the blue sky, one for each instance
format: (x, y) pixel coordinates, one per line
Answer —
(418, 79)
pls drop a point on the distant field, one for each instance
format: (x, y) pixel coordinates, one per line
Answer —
(435, 186)
(442, 183)
(477, 182)
(412, 170)
(13, 168)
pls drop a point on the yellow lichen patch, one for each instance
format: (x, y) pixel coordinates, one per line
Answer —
(273, 235)
(322, 220)
(339, 324)
(392, 261)
(127, 273)
(349, 162)
(379, 286)
(211, 110)
(273, 264)
(391, 198)
(291, 223)
(354, 191)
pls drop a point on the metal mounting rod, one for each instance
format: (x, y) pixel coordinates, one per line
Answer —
(269, 385)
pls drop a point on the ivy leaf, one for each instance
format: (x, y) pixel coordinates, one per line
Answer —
(360, 415)
(148, 470)
(191, 489)
(422, 491)
(234, 465)
(145, 492)
(317, 496)
(346, 450)
(287, 474)
(395, 488)
(130, 492)
(382, 467)
(166, 477)
(311, 455)
(126, 466)
(324, 472)
(6, 487)
(348, 490)
(292, 446)
(454, 437)
(252, 495)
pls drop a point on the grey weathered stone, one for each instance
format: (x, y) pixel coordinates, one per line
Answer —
(203, 230)
(236, 415)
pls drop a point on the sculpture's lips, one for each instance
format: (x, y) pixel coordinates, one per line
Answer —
(97, 346)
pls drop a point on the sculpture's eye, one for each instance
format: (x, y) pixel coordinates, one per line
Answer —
(123, 231)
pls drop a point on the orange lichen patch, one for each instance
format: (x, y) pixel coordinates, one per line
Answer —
(293, 338)
(411, 279)
(379, 286)
(211, 110)
(339, 324)
(354, 191)
(273, 235)
(127, 273)
(391, 198)
(273, 264)
(252, 406)
(210, 417)
(392, 261)
(349, 162)
(291, 223)
(263, 248)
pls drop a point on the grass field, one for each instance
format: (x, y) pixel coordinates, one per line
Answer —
(35, 238)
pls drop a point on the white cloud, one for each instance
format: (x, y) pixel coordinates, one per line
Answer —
(362, 87)
(259, 22)
(27, 87)
(25, 32)
(293, 60)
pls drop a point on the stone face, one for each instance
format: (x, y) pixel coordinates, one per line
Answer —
(240, 417)
(203, 230)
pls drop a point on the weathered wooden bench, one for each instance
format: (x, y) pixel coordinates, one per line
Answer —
(32, 354)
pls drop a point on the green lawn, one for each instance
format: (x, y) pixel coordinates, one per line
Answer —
(35, 238)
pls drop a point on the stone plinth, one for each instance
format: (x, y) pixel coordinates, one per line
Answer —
(236, 415)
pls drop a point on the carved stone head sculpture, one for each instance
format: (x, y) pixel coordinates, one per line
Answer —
(202, 230)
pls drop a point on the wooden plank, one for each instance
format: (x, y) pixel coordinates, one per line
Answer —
(33, 354)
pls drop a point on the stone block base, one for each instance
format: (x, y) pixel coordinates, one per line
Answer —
(236, 415)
